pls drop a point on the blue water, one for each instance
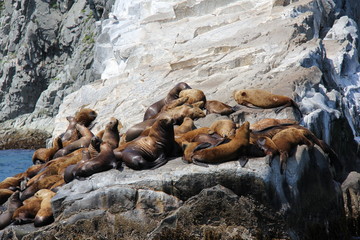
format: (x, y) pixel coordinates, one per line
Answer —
(14, 161)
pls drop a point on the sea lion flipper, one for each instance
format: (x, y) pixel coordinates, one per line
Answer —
(202, 146)
(161, 160)
(243, 161)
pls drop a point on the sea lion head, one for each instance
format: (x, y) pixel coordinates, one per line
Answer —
(85, 116)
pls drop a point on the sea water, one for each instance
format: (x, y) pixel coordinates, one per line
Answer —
(14, 161)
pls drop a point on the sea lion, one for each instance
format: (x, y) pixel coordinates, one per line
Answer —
(12, 183)
(43, 183)
(153, 150)
(264, 99)
(191, 135)
(84, 141)
(4, 195)
(194, 96)
(186, 126)
(177, 114)
(203, 139)
(135, 131)
(57, 166)
(111, 133)
(43, 155)
(104, 161)
(85, 116)
(27, 212)
(45, 214)
(232, 150)
(269, 122)
(283, 143)
(224, 127)
(13, 204)
(172, 95)
(214, 106)
(71, 134)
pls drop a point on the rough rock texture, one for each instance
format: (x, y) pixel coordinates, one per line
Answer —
(351, 193)
(46, 52)
(182, 201)
(303, 49)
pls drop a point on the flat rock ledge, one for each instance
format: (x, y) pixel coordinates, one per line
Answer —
(185, 201)
(23, 138)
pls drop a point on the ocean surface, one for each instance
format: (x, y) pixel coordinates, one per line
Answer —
(14, 161)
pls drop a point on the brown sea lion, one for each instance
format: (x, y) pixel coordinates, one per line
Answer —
(191, 135)
(203, 139)
(45, 214)
(177, 114)
(153, 150)
(214, 106)
(43, 155)
(186, 126)
(71, 134)
(43, 183)
(33, 170)
(224, 127)
(194, 96)
(85, 116)
(269, 122)
(27, 212)
(232, 150)
(264, 99)
(283, 143)
(172, 95)
(13, 204)
(57, 166)
(111, 134)
(104, 161)
(84, 141)
(12, 183)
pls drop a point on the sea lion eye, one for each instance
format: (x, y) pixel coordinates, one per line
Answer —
(243, 94)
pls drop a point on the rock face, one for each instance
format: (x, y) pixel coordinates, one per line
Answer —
(306, 49)
(182, 201)
(46, 52)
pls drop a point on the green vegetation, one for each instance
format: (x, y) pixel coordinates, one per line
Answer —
(89, 38)
(53, 4)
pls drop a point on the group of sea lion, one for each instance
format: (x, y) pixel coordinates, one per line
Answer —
(167, 131)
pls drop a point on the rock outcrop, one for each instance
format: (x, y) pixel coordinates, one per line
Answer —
(306, 49)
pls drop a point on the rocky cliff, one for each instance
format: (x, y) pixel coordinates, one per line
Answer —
(306, 49)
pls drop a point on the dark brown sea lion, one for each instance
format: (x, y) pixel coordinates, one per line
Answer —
(283, 143)
(264, 99)
(186, 126)
(232, 150)
(224, 127)
(43, 155)
(135, 131)
(4, 195)
(45, 214)
(104, 161)
(13, 204)
(153, 150)
(85, 116)
(71, 134)
(84, 141)
(172, 95)
(214, 106)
